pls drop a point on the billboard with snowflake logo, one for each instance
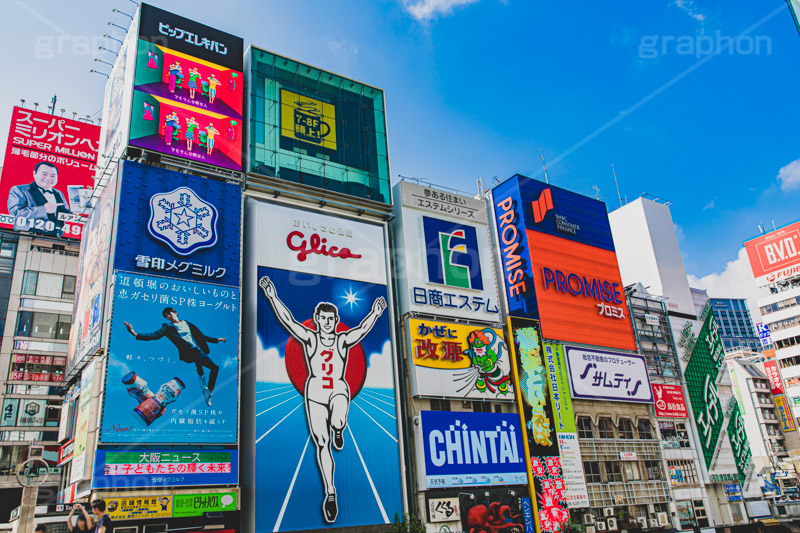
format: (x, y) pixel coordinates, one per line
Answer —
(536, 415)
(318, 311)
(179, 226)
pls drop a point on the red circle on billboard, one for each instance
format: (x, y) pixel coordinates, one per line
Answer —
(355, 373)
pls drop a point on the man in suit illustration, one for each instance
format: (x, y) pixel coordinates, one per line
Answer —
(39, 202)
(192, 347)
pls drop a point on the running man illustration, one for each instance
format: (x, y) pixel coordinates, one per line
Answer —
(326, 393)
(194, 74)
(191, 126)
(192, 345)
(213, 83)
(211, 132)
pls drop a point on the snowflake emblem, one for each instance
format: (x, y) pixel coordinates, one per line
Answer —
(183, 221)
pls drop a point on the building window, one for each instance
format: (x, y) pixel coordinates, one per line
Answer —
(585, 428)
(440, 405)
(631, 471)
(682, 472)
(653, 470)
(625, 428)
(48, 285)
(482, 407)
(43, 325)
(613, 472)
(645, 429)
(591, 470)
(43, 368)
(674, 435)
(605, 428)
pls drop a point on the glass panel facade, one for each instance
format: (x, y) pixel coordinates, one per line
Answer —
(313, 127)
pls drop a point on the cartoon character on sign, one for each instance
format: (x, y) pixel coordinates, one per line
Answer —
(660, 403)
(326, 393)
(489, 370)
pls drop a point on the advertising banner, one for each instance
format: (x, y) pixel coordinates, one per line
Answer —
(10, 410)
(559, 263)
(535, 406)
(784, 414)
(199, 504)
(154, 467)
(325, 388)
(741, 447)
(702, 370)
(31, 412)
(188, 90)
(82, 423)
(602, 375)
(137, 508)
(764, 334)
(775, 383)
(487, 502)
(443, 510)
(564, 418)
(670, 401)
(317, 128)
(178, 225)
(460, 361)
(184, 387)
(48, 174)
(65, 452)
(774, 256)
(487, 451)
(85, 334)
(442, 258)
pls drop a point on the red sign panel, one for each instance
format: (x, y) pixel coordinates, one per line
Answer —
(775, 383)
(48, 173)
(670, 401)
(776, 255)
(579, 293)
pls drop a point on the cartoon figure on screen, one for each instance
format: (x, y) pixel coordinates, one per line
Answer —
(192, 345)
(213, 83)
(172, 125)
(175, 76)
(191, 126)
(194, 74)
(211, 132)
(326, 393)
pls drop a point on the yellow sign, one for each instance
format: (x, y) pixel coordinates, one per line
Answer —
(784, 414)
(139, 507)
(308, 120)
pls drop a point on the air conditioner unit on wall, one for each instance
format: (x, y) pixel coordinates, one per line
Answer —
(642, 521)
(600, 525)
(653, 522)
(588, 519)
(663, 519)
(608, 511)
(590, 529)
(611, 524)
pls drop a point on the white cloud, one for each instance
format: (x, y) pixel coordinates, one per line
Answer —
(342, 47)
(710, 205)
(425, 10)
(271, 367)
(734, 281)
(789, 176)
(690, 9)
(380, 369)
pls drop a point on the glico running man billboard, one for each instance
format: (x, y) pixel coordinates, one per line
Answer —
(179, 226)
(456, 360)
(325, 399)
(188, 90)
(48, 174)
(559, 263)
(443, 259)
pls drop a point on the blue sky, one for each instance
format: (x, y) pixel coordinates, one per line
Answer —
(474, 88)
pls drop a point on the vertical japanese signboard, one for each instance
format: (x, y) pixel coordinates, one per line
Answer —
(48, 174)
(702, 371)
(82, 423)
(325, 387)
(771, 370)
(741, 447)
(535, 407)
(784, 414)
(564, 418)
(455, 360)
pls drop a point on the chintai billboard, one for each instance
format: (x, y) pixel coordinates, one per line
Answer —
(326, 421)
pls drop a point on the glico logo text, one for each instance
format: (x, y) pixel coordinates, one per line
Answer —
(296, 242)
(604, 292)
